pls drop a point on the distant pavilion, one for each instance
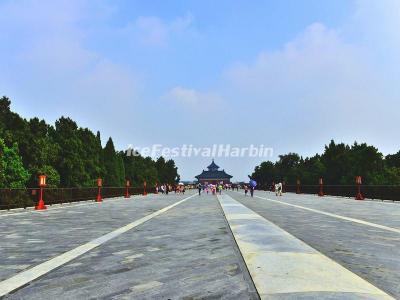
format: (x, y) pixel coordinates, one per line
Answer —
(213, 175)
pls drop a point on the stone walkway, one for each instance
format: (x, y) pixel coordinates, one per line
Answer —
(185, 253)
(181, 247)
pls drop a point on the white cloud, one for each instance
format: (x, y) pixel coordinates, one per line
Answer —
(191, 97)
(48, 62)
(321, 86)
(154, 31)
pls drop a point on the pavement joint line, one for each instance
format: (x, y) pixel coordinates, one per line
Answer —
(279, 263)
(67, 205)
(387, 228)
(23, 278)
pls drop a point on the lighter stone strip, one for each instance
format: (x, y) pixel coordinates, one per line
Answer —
(296, 267)
(21, 279)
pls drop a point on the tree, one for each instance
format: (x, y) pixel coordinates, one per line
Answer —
(12, 172)
(70, 164)
(69, 155)
(114, 171)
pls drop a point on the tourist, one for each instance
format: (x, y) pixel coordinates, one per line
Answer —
(199, 188)
(278, 189)
(246, 189)
(252, 191)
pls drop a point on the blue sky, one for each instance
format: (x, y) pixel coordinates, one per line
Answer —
(286, 74)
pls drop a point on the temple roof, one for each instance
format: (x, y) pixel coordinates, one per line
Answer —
(213, 166)
(213, 173)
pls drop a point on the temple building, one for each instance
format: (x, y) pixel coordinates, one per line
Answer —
(213, 175)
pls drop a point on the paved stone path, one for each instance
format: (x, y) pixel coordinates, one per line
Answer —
(33, 237)
(176, 247)
(185, 253)
(371, 253)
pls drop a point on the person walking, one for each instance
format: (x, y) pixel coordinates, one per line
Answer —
(246, 189)
(199, 188)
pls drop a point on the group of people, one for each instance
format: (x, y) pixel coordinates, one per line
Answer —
(163, 189)
(277, 188)
(211, 188)
(166, 188)
(247, 188)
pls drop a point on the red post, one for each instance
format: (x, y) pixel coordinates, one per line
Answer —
(42, 184)
(144, 188)
(298, 187)
(99, 185)
(321, 188)
(359, 196)
(127, 195)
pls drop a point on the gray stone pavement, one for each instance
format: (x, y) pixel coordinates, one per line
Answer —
(187, 252)
(372, 253)
(30, 238)
(384, 213)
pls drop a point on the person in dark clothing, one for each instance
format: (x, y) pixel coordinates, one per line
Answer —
(252, 191)
(199, 188)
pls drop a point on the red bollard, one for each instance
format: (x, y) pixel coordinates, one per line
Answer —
(127, 195)
(298, 187)
(42, 184)
(321, 188)
(144, 188)
(359, 196)
(99, 185)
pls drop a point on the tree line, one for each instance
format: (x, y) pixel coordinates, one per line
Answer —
(69, 155)
(339, 164)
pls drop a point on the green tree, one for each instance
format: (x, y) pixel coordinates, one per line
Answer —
(12, 172)
(114, 171)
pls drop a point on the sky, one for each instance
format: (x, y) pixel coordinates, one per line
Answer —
(290, 75)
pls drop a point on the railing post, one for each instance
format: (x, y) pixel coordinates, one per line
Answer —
(359, 196)
(298, 187)
(99, 185)
(127, 195)
(144, 188)
(42, 184)
(321, 187)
